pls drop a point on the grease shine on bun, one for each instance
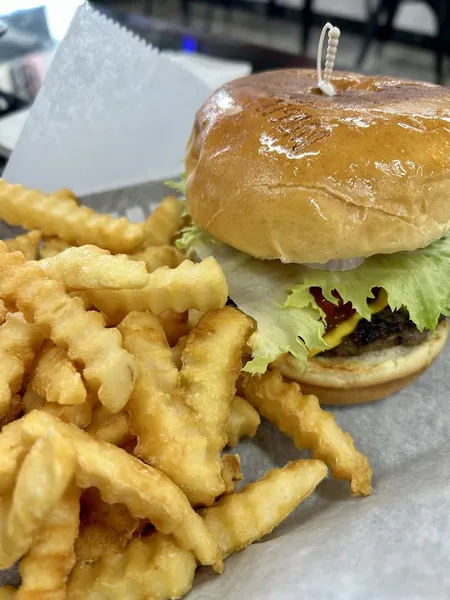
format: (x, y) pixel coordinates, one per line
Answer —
(280, 171)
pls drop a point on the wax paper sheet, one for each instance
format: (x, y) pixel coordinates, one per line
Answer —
(393, 545)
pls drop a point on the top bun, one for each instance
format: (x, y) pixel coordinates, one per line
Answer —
(281, 171)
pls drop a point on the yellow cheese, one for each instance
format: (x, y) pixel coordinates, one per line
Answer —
(335, 337)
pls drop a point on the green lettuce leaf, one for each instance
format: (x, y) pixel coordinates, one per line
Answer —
(277, 295)
(260, 288)
(178, 186)
(189, 236)
(418, 281)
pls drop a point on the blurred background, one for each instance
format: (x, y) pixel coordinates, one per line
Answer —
(222, 39)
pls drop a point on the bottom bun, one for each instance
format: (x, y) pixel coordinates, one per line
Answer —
(364, 378)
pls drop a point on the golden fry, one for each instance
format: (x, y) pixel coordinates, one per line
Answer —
(56, 216)
(243, 422)
(19, 341)
(41, 482)
(177, 351)
(67, 195)
(12, 452)
(211, 364)
(52, 246)
(155, 257)
(14, 411)
(3, 312)
(115, 517)
(156, 567)
(202, 286)
(90, 267)
(97, 539)
(146, 492)
(152, 567)
(108, 368)
(240, 519)
(46, 567)
(55, 378)
(78, 414)
(8, 592)
(114, 429)
(310, 427)
(231, 472)
(167, 432)
(164, 222)
(175, 325)
(194, 317)
(27, 243)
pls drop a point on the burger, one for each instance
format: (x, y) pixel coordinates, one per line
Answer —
(329, 216)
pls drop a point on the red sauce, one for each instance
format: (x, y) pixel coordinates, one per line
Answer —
(335, 313)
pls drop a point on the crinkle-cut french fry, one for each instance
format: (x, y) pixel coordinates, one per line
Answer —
(309, 426)
(78, 414)
(202, 286)
(28, 244)
(156, 567)
(97, 539)
(115, 517)
(114, 429)
(19, 341)
(167, 431)
(52, 246)
(211, 363)
(177, 351)
(46, 567)
(57, 216)
(145, 491)
(164, 222)
(14, 411)
(130, 446)
(194, 317)
(3, 312)
(12, 452)
(155, 257)
(107, 367)
(174, 324)
(152, 567)
(231, 472)
(67, 195)
(41, 482)
(243, 422)
(240, 519)
(8, 592)
(90, 267)
(54, 377)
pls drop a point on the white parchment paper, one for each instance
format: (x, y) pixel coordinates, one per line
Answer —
(392, 546)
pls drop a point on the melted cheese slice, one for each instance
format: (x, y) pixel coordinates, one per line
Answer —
(335, 337)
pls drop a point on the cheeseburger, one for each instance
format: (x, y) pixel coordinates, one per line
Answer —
(329, 216)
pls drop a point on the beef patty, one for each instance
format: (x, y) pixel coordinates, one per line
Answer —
(385, 330)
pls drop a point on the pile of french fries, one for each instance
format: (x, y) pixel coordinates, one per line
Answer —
(120, 388)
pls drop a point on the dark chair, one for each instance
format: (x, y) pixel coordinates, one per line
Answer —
(307, 20)
(186, 9)
(387, 9)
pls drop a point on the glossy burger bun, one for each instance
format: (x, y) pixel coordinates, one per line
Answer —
(281, 171)
(364, 378)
